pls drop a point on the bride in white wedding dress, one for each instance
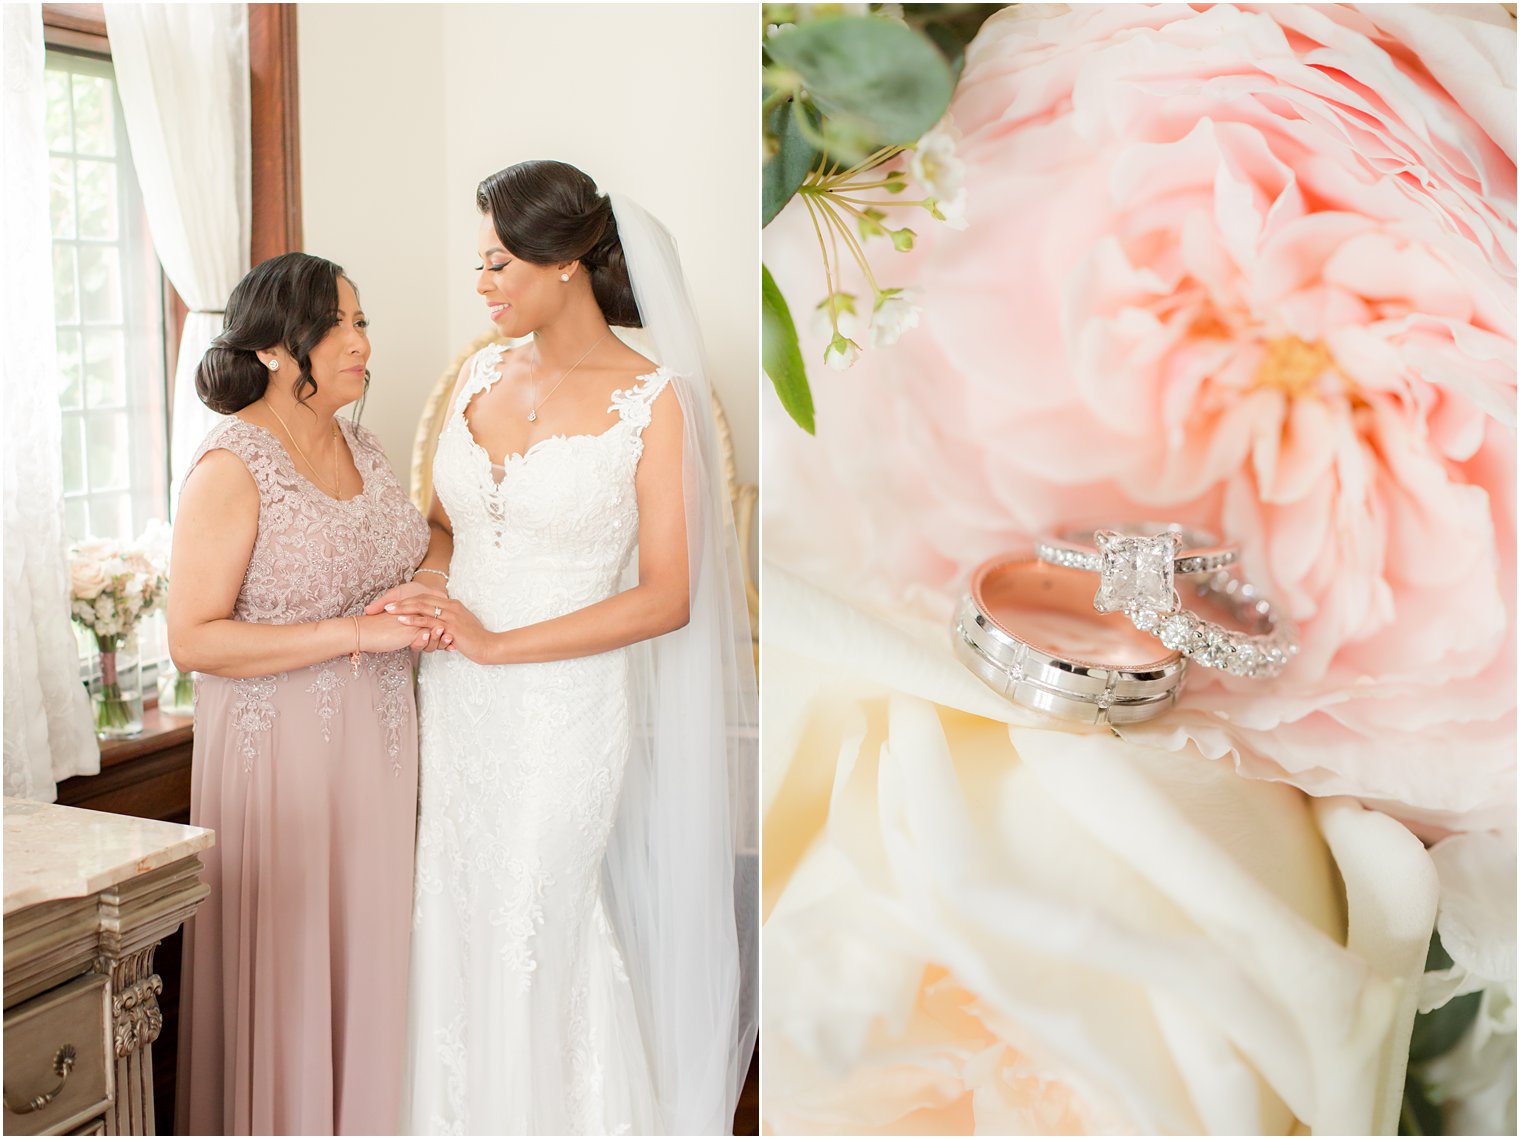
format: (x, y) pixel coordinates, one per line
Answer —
(581, 954)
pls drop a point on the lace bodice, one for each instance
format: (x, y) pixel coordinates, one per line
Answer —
(316, 557)
(556, 530)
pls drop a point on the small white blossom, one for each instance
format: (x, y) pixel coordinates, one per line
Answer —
(841, 353)
(939, 170)
(935, 165)
(895, 313)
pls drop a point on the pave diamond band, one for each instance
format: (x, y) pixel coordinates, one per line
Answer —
(1198, 552)
(986, 637)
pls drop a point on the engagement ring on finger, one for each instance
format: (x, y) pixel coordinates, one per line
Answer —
(437, 611)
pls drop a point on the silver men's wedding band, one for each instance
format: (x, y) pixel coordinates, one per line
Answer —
(1041, 677)
(1199, 551)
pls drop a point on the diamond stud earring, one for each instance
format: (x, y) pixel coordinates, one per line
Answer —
(564, 276)
(274, 365)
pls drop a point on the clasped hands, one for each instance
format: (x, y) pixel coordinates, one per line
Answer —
(441, 621)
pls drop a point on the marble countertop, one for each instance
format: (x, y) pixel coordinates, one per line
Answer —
(56, 852)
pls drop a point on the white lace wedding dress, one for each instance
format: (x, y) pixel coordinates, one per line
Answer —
(522, 1019)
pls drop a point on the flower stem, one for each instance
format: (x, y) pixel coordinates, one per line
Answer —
(852, 245)
(828, 277)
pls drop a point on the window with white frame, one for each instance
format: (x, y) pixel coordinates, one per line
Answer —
(108, 308)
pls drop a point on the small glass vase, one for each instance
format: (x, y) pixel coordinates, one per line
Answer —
(176, 691)
(116, 689)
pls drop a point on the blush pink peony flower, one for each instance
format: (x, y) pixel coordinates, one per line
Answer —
(1246, 267)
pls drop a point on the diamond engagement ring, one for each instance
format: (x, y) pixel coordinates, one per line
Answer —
(1197, 551)
(1137, 574)
(437, 611)
(1028, 632)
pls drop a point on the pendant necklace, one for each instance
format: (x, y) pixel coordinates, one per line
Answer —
(532, 376)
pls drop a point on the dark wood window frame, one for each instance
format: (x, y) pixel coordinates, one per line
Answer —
(149, 776)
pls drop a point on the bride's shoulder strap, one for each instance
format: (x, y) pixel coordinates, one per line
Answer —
(636, 404)
(478, 371)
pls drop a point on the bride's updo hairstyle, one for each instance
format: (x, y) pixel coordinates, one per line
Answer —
(289, 300)
(549, 213)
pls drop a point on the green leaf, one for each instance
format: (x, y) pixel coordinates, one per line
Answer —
(784, 171)
(782, 355)
(1418, 1116)
(871, 71)
(1436, 1032)
(950, 46)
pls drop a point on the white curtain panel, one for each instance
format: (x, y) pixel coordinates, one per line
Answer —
(49, 731)
(182, 72)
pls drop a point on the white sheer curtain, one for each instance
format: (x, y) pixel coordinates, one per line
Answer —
(49, 732)
(182, 72)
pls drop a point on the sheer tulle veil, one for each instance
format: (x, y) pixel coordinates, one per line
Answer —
(682, 865)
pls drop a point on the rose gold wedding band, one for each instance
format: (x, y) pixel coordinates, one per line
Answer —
(1027, 630)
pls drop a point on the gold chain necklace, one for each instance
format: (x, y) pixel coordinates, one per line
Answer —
(336, 488)
(533, 376)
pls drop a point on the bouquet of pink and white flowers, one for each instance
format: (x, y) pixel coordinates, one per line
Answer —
(113, 586)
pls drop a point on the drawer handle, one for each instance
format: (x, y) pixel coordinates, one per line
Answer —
(63, 1064)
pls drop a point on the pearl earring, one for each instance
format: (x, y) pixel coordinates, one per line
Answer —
(274, 365)
(564, 276)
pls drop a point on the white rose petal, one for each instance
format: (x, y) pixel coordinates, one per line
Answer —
(1034, 930)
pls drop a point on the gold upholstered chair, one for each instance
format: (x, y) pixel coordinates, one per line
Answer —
(742, 495)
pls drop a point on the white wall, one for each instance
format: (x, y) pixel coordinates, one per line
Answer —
(406, 107)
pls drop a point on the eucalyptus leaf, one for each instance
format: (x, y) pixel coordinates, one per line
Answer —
(782, 355)
(871, 71)
(784, 171)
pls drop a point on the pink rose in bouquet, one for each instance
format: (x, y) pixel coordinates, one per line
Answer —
(1247, 268)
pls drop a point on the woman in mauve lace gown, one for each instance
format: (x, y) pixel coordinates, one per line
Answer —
(305, 763)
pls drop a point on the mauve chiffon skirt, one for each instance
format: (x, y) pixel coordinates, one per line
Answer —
(293, 1001)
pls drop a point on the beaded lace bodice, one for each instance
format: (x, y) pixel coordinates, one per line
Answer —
(555, 530)
(316, 557)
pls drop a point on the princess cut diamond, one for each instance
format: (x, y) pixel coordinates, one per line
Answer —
(1136, 572)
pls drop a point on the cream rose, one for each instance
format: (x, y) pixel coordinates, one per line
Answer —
(87, 577)
(978, 922)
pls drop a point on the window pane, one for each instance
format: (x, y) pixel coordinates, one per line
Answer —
(111, 516)
(97, 200)
(100, 284)
(107, 443)
(65, 293)
(94, 124)
(61, 196)
(73, 458)
(70, 375)
(76, 519)
(105, 369)
(60, 133)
